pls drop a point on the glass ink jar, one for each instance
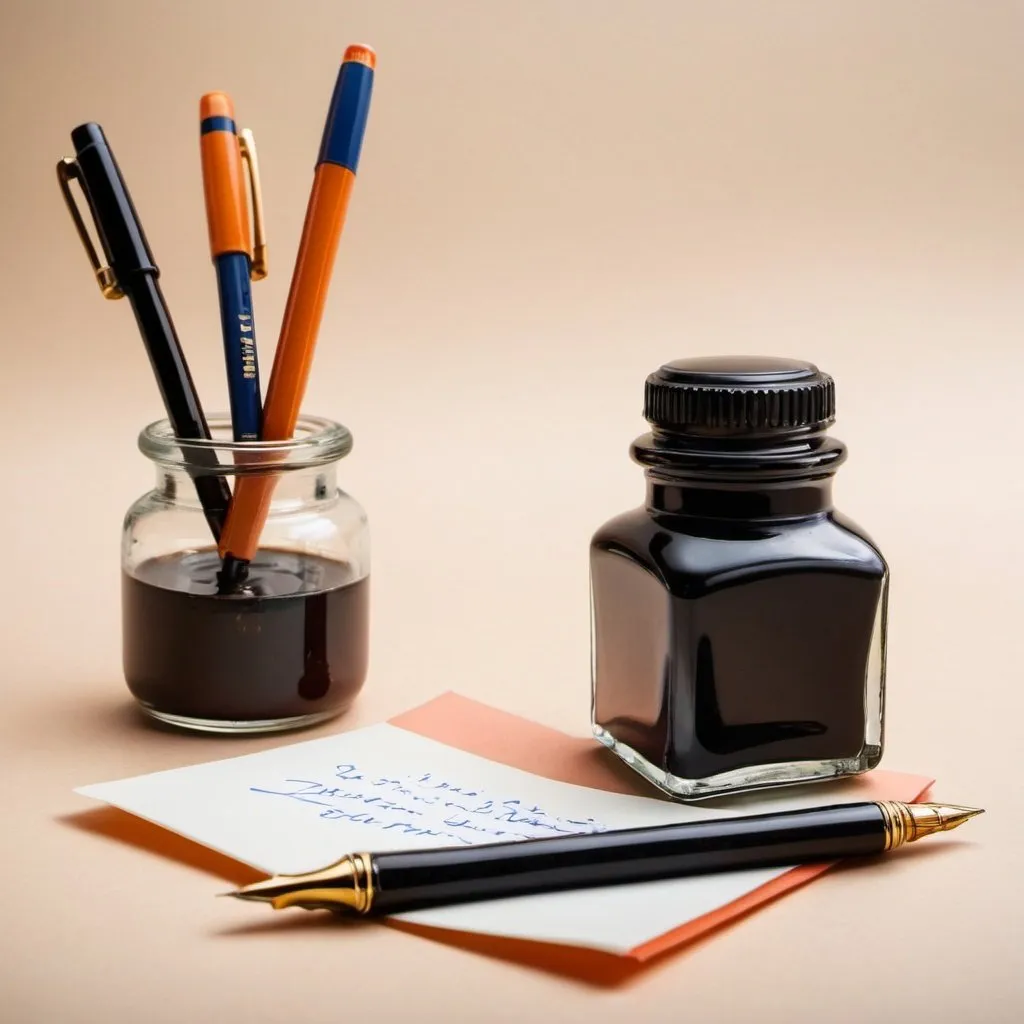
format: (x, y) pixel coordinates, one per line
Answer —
(287, 649)
(738, 619)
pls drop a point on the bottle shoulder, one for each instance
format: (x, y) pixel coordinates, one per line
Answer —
(671, 546)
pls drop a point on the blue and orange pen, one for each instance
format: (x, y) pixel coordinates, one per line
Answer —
(239, 254)
(333, 180)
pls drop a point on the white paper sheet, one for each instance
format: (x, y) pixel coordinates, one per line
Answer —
(300, 807)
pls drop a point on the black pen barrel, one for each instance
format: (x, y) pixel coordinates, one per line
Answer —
(114, 214)
(179, 395)
(427, 878)
(125, 245)
(166, 357)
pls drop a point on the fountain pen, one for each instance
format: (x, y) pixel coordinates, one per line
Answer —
(377, 884)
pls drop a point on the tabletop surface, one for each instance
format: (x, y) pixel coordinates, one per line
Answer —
(553, 200)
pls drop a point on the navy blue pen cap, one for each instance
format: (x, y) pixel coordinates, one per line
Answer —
(342, 140)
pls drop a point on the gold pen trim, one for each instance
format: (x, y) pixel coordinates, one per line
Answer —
(346, 884)
(247, 147)
(906, 823)
(67, 170)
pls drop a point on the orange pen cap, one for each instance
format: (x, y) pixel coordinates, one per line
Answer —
(223, 151)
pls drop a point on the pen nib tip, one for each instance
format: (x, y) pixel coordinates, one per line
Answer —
(241, 894)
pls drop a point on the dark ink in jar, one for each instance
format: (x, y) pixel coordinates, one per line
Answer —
(290, 648)
(292, 645)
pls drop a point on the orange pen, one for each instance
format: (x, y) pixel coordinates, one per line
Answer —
(325, 216)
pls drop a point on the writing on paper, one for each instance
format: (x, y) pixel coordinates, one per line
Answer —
(426, 805)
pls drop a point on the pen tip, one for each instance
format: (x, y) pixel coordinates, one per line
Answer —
(232, 575)
(950, 816)
(241, 894)
(216, 104)
(360, 54)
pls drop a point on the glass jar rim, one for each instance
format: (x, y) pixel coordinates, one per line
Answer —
(316, 441)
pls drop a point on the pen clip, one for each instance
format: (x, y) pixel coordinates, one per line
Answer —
(67, 169)
(247, 145)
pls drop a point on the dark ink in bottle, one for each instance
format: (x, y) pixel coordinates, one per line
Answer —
(738, 619)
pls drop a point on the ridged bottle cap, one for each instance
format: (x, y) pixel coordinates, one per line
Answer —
(737, 395)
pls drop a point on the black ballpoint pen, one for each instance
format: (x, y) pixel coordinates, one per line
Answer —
(394, 883)
(131, 271)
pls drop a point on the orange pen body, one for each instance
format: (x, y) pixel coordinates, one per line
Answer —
(325, 215)
(335, 174)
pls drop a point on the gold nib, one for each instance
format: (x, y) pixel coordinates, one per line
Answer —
(241, 894)
(906, 823)
(347, 885)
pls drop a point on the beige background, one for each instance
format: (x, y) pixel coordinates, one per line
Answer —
(554, 199)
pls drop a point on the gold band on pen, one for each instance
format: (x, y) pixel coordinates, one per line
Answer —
(348, 884)
(67, 169)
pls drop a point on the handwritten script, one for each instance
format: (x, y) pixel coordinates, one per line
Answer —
(425, 805)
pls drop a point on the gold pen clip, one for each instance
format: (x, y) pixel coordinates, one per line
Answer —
(247, 144)
(67, 169)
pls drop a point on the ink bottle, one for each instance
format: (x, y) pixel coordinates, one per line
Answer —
(738, 619)
(290, 647)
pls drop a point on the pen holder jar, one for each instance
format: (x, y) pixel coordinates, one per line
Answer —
(287, 649)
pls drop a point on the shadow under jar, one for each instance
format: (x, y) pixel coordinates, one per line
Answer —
(738, 619)
(290, 647)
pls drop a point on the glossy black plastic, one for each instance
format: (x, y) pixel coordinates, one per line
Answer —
(428, 878)
(117, 222)
(125, 246)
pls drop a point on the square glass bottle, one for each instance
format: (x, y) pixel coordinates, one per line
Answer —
(738, 619)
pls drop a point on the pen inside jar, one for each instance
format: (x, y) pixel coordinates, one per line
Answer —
(232, 245)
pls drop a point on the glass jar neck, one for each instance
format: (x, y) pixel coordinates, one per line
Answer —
(762, 501)
(293, 488)
(777, 475)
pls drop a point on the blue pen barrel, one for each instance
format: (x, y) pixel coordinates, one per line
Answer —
(232, 248)
(239, 333)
